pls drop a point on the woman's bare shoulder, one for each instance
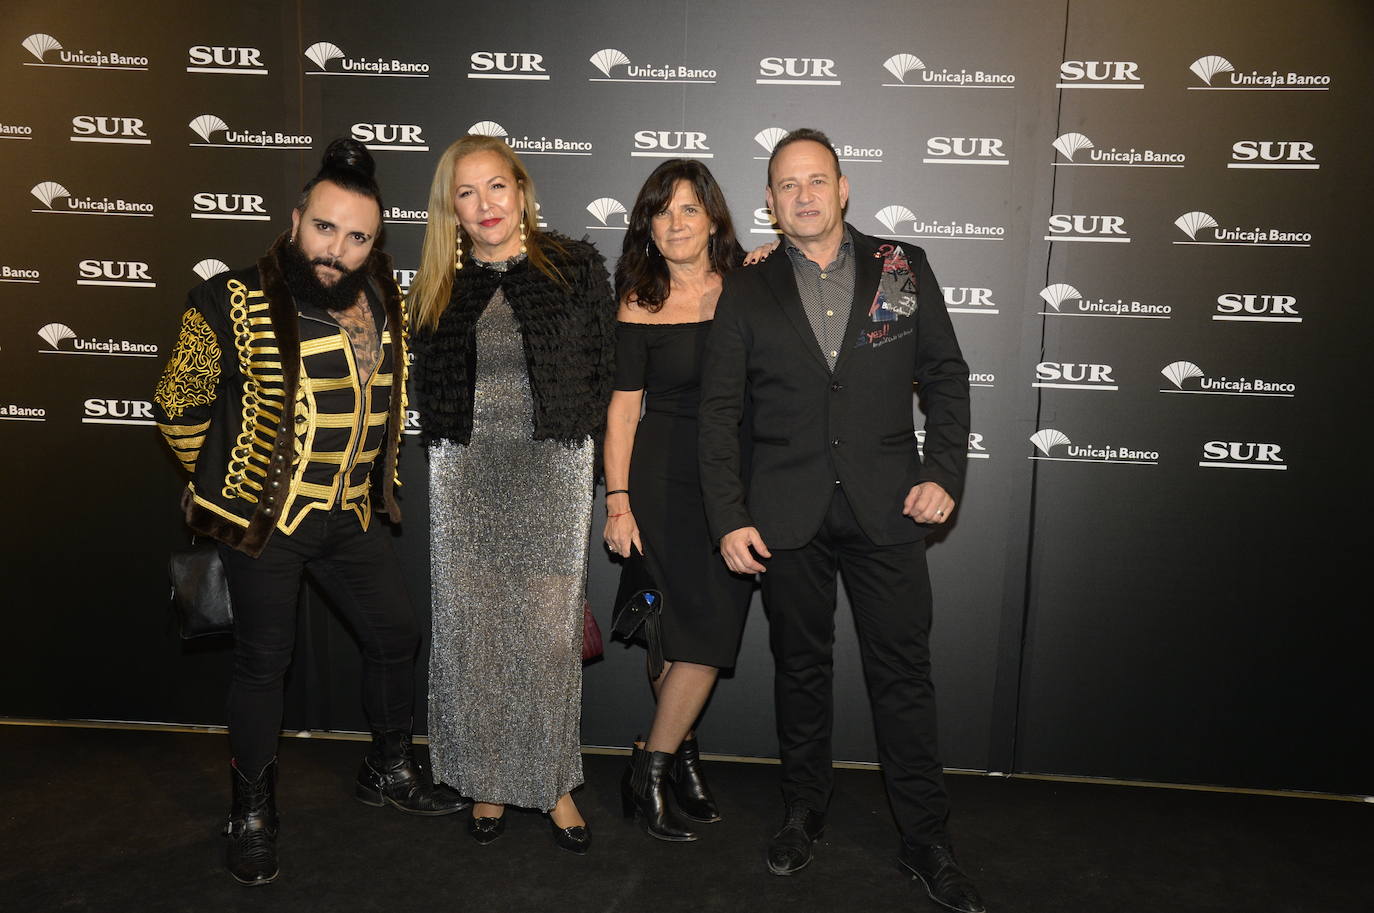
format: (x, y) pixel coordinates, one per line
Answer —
(631, 312)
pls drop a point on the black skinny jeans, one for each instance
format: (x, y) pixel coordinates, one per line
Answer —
(359, 574)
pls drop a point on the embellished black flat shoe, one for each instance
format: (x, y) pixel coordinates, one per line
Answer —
(485, 830)
(576, 839)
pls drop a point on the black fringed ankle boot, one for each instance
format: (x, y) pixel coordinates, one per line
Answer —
(252, 830)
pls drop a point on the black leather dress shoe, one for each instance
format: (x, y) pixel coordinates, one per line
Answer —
(790, 849)
(939, 871)
(484, 830)
(576, 839)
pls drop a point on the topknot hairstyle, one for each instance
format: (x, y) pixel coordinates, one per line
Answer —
(348, 164)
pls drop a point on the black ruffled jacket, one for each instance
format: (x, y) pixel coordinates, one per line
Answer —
(569, 339)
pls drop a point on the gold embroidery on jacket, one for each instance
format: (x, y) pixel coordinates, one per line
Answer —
(263, 392)
(192, 373)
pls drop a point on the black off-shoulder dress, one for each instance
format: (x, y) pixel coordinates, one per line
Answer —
(704, 605)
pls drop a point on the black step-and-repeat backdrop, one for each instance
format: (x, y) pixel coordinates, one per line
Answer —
(1145, 218)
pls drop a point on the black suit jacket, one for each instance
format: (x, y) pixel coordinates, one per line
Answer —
(812, 427)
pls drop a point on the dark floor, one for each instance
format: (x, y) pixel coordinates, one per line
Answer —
(114, 821)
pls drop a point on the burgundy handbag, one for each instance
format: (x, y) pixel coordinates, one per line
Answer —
(591, 634)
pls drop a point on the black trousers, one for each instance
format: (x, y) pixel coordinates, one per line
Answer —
(358, 572)
(889, 590)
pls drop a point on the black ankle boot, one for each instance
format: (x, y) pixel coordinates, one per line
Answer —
(644, 795)
(390, 775)
(693, 796)
(252, 830)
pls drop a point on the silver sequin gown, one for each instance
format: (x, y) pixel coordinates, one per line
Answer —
(509, 517)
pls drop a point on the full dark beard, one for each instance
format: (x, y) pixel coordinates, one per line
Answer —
(299, 274)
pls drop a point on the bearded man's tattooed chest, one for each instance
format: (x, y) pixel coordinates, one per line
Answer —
(357, 322)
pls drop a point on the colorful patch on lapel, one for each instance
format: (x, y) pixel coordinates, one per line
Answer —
(896, 294)
(881, 336)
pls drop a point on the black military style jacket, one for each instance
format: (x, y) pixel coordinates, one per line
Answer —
(262, 404)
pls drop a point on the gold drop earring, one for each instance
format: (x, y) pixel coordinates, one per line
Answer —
(522, 235)
(457, 251)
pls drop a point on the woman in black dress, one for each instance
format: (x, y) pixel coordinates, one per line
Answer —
(679, 242)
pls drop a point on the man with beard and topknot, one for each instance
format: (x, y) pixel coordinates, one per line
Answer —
(285, 401)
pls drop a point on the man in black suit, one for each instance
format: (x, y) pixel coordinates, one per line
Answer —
(826, 338)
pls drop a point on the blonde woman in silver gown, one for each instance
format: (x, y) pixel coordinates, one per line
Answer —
(514, 341)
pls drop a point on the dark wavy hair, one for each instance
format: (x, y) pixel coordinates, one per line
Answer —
(641, 271)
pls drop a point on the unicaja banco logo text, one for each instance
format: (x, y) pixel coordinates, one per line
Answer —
(395, 215)
(1186, 377)
(1048, 440)
(21, 274)
(608, 62)
(1202, 228)
(47, 51)
(330, 60)
(911, 72)
(216, 134)
(57, 335)
(533, 145)
(897, 217)
(58, 199)
(1066, 301)
(14, 412)
(1217, 74)
(1070, 145)
(769, 137)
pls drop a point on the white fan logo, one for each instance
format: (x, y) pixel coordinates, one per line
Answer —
(1070, 143)
(321, 52)
(40, 44)
(605, 207)
(892, 216)
(1190, 223)
(1180, 371)
(1209, 66)
(901, 64)
(607, 58)
(769, 138)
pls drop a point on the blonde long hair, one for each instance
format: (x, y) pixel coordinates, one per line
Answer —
(433, 284)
